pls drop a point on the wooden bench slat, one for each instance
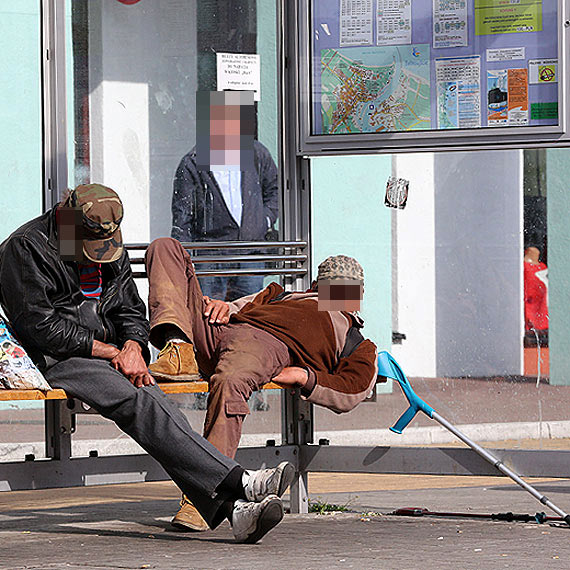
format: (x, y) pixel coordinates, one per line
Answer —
(166, 387)
(8, 395)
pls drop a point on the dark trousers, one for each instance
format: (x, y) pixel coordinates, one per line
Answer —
(232, 287)
(156, 424)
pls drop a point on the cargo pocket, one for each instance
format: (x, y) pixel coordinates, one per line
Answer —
(237, 408)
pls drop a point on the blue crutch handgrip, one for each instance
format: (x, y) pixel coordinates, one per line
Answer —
(387, 366)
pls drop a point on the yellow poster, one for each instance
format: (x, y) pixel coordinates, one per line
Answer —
(507, 17)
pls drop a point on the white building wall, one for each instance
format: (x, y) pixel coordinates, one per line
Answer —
(414, 295)
(457, 264)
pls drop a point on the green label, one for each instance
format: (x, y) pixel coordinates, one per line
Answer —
(544, 110)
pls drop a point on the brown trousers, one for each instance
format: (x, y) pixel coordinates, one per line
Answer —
(238, 358)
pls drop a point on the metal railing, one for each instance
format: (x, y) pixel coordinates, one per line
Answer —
(290, 259)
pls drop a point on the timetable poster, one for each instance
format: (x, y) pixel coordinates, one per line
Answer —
(386, 66)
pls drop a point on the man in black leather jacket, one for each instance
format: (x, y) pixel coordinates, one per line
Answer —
(67, 289)
(42, 298)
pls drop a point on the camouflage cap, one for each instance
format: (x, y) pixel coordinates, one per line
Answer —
(340, 267)
(102, 216)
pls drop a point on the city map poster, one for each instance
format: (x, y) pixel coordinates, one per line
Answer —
(458, 84)
(507, 16)
(518, 96)
(375, 89)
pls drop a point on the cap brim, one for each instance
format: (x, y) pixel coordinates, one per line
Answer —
(104, 250)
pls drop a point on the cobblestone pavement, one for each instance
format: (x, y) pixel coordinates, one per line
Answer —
(126, 526)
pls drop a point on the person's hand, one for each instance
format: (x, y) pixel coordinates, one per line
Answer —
(217, 312)
(103, 350)
(291, 377)
(131, 363)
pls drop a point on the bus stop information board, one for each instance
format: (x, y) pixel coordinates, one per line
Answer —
(389, 66)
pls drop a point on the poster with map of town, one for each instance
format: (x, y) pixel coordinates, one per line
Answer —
(397, 66)
(374, 90)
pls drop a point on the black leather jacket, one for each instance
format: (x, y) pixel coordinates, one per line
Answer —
(200, 213)
(42, 299)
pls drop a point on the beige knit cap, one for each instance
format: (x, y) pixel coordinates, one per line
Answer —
(340, 267)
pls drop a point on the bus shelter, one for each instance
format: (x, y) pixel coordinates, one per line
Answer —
(460, 106)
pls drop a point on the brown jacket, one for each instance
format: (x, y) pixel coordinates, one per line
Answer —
(316, 340)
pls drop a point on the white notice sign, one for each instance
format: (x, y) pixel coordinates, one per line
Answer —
(449, 23)
(543, 71)
(394, 22)
(239, 72)
(356, 20)
(505, 54)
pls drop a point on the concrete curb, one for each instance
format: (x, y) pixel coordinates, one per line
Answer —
(433, 435)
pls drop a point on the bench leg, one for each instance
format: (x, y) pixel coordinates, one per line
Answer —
(299, 493)
(297, 429)
(59, 425)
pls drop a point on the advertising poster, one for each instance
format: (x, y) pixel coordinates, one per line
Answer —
(393, 22)
(356, 22)
(517, 100)
(449, 23)
(507, 16)
(497, 95)
(542, 71)
(458, 92)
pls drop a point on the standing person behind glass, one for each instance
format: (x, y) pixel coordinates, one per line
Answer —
(226, 189)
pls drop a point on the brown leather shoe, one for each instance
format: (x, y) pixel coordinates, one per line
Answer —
(188, 517)
(176, 361)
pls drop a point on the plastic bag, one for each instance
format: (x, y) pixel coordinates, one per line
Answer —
(17, 371)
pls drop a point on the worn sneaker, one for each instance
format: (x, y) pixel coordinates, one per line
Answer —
(188, 517)
(252, 521)
(266, 482)
(176, 361)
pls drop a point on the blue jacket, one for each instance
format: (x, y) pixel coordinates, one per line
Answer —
(200, 213)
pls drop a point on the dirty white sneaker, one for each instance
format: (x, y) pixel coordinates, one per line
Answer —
(259, 484)
(251, 521)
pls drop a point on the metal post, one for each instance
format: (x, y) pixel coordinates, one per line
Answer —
(53, 100)
(297, 414)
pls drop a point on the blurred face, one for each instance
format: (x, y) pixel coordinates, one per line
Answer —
(340, 294)
(70, 233)
(225, 140)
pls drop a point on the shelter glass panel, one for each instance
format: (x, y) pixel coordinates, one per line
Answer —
(21, 181)
(148, 84)
(467, 287)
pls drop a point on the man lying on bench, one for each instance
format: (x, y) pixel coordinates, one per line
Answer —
(309, 340)
(67, 289)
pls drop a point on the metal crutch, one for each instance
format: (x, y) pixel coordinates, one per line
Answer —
(387, 366)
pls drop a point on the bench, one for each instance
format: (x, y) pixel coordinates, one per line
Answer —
(287, 259)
